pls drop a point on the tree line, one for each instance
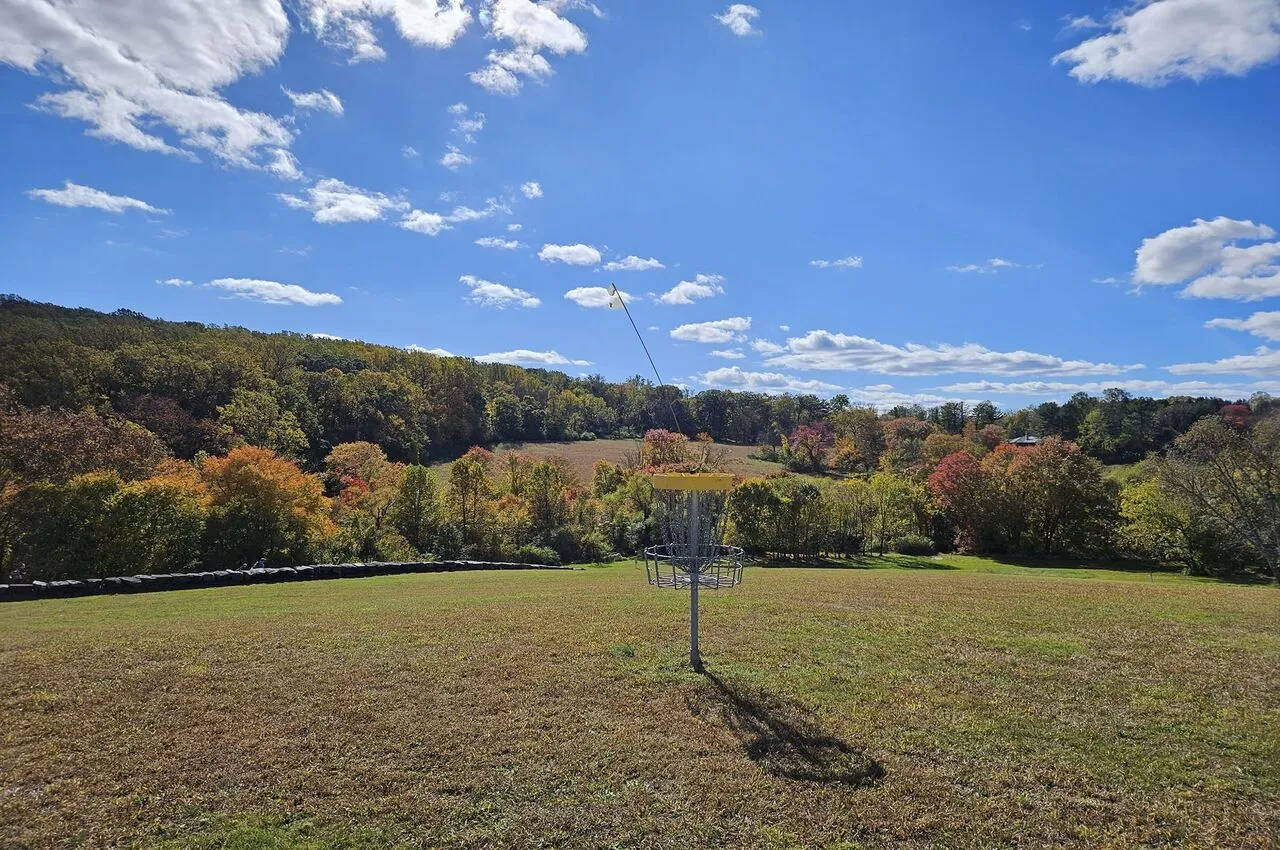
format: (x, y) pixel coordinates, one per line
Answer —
(129, 444)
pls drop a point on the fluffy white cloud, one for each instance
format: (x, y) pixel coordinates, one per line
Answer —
(842, 263)
(1065, 389)
(438, 352)
(174, 281)
(270, 292)
(454, 158)
(467, 126)
(486, 293)
(531, 189)
(428, 223)
(498, 243)
(739, 18)
(991, 266)
(149, 75)
(765, 346)
(574, 255)
(1263, 361)
(349, 23)
(525, 357)
(823, 350)
(688, 291)
(736, 378)
(594, 296)
(409, 152)
(1265, 325)
(306, 101)
(75, 195)
(531, 28)
(331, 201)
(320, 335)
(1202, 256)
(633, 263)
(728, 354)
(514, 228)
(283, 164)
(1152, 43)
(717, 332)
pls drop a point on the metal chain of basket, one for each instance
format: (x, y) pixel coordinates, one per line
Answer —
(692, 527)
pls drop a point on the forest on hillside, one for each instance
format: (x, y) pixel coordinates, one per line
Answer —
(130, 444)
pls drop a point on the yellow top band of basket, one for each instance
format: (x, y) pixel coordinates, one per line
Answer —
(699, 482)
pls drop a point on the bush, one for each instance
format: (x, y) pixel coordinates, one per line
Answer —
(912, 544)
(531, 553)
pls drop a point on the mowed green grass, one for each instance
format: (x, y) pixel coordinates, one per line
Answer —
(971, 705)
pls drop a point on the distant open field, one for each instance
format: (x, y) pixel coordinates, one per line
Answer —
(583, 455)
(931, 704)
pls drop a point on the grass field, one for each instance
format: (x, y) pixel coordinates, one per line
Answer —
(584, 454)
(943, 702)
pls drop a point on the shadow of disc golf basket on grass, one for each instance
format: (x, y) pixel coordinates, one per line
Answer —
(784, 740)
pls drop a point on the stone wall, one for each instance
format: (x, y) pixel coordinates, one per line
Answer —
(225, 578)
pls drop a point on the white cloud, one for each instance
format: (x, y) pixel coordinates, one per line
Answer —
(728, 353)
(530, 27)
(525, 357)
(467, 126)
(823, 350)
(717, 332)
(174, 281)
(531, 189)
(1153, 43)
(454, 158)
(842, 263)
(514, 228)
(736, 378)
(349, 23)
(574, 255)
(765, 346)
(306, 101)
(738, 18)
(991, 266)
(465, 213)
(1082, 22)
(284, 165)
(438, 352)
(409, 152)
(1202, 256)
(1159, 389)
(331, 201)
(270, 292)
(486, 293)
(688, 291)
(428, 223)
(784, 328)
(75, 195)
(1265, 325)
(335, 337)
(633, 263)
(1263, 361)
(498, 242)
(594, 296)
(149, 75)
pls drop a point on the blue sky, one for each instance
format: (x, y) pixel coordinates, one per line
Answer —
(978, 179)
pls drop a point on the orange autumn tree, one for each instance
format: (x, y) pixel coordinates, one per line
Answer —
(262, 505)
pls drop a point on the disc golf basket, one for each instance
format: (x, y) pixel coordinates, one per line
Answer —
(692, 554)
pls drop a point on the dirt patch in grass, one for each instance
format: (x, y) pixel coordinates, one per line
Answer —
(584, 454)
(847, 708)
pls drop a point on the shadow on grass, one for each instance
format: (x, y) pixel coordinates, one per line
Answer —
(863, 562)
(783, 740)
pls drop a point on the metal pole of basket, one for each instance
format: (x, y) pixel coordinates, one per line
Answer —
(695, 572)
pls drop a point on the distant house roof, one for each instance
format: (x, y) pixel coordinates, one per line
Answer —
(1025, 440)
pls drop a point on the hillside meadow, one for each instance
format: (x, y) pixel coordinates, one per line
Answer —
(925, 702)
